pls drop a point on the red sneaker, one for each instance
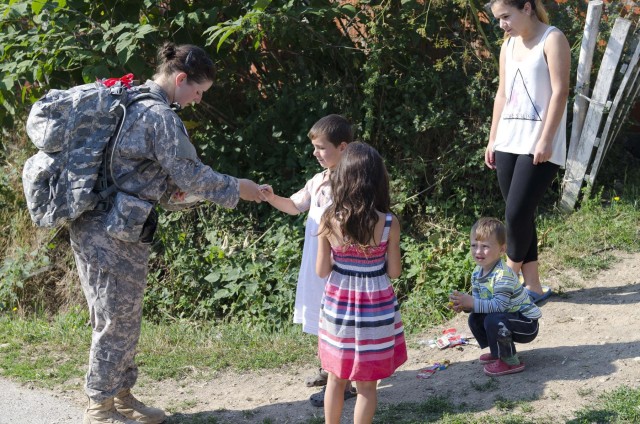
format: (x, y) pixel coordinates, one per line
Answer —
(499, 367)
(487, 358)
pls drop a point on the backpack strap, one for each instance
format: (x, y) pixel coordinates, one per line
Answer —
(104, 194)
(106, 190)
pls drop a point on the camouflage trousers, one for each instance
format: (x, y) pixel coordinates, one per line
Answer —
(113, 277)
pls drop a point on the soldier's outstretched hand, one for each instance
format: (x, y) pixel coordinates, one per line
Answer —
(250, 191)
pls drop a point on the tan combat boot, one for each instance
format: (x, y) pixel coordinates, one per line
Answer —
(104, 412)
(132, 408)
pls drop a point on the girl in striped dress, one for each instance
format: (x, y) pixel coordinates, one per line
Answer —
(361, 337)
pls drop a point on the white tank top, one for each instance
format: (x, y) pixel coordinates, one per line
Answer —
(528, 92)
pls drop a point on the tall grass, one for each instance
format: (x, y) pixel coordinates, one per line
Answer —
(52, 351)
(587, 239)
(184, 348)
(44, 351)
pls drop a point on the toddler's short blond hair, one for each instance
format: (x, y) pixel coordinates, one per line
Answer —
(485, 227)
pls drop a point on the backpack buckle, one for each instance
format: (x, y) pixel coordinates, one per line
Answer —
(117, 90)
(102, 206)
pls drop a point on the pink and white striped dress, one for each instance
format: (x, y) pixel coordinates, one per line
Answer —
(361, 336)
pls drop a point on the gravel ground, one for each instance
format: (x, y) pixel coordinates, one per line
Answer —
(21, 404)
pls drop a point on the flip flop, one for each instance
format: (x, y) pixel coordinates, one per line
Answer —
(538, 298)
(317, 399)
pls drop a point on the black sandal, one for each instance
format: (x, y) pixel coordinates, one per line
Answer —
(317, 399)
(317, 380)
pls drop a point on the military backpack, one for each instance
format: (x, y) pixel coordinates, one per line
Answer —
(72, 130)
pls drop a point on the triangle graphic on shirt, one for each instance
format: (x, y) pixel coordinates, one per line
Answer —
(520, 104)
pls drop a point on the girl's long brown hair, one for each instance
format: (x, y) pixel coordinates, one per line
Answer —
(359, 188)
(536, 5)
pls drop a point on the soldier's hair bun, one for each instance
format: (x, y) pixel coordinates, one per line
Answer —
(186, 58)
(167, 52)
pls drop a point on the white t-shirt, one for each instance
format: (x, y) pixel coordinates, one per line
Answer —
(528, 92)
(315, 197)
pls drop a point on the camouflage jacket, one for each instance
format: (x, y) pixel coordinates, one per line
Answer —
(153, 131)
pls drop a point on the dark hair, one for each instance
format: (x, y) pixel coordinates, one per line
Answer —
(536, 6)
(486, 227)
(359, 188)
(187, 58)
(335, 127)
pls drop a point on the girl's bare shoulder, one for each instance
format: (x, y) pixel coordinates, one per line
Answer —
(556, 38)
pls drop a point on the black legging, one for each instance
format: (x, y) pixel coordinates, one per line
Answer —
(522, 185)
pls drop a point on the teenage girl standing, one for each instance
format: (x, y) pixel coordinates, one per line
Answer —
(361, 336)
(527, 144)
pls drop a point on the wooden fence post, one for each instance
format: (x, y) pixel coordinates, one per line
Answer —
(588, 45)
(626, 94)
(577, 164)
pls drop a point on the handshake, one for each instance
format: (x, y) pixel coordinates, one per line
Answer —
(252, 192)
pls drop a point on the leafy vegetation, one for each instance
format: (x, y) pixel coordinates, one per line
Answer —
(216, 264)
(416, 78)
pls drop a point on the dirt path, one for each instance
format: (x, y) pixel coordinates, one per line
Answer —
(589, 343)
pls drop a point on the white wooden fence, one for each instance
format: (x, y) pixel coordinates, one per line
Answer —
(590, 137)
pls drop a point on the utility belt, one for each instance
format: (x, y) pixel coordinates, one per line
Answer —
(129, 218)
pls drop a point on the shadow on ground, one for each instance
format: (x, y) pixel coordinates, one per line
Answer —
(462, 385)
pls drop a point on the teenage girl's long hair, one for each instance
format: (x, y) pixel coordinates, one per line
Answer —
(536, 6)
(359, 188)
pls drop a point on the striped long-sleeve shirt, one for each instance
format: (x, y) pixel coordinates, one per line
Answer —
(500, 291)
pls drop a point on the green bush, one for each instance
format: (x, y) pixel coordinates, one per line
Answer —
(14, 273)
(416, 78)
(204, 270)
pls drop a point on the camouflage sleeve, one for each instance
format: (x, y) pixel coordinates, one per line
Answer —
(179, 160)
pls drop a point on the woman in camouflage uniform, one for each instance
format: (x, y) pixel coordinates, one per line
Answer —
(112, 243)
